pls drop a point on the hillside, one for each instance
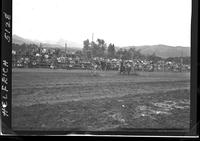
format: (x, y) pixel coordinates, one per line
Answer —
(163, 50)
(19, 40)
(72, 46)
(160, 50)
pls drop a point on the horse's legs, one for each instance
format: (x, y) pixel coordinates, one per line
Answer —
(129, 70)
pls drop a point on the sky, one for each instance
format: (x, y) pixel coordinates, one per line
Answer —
(122, 22)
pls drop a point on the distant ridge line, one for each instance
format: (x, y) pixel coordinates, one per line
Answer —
(160, 50)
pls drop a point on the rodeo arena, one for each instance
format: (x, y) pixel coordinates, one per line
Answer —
(89, 90)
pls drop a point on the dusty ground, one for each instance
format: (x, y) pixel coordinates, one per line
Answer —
(45, 99)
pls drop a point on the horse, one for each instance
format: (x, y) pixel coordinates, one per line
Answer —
(125, 68)
(128, 68)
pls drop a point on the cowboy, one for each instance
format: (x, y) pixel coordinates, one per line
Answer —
(128, 67)
(122, 67)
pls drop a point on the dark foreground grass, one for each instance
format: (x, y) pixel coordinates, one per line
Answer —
(170, 109)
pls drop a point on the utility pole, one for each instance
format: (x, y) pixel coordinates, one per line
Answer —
(92, 46)
(92, 36)
(132, 61)
(40, 47)
(181, 61)
(65, 48)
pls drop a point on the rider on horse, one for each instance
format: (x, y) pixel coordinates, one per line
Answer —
(125, 67)
(122, 66)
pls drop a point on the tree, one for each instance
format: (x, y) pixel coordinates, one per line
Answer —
(126, 55)
(111, 50)
(79, 53)
(119, 53)
(95, 49)
(153, 58)
(86, 45)
(136, 54)
(101, 47)
(57, 52)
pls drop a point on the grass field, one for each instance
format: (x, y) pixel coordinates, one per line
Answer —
(45, 99)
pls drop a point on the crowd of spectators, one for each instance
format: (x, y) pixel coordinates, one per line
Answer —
(54, 58)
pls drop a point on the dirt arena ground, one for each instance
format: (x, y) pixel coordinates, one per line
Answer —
(45, 99)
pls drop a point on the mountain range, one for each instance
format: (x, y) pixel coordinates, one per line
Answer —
(163, 51)
(160, 50)
(71, 46)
